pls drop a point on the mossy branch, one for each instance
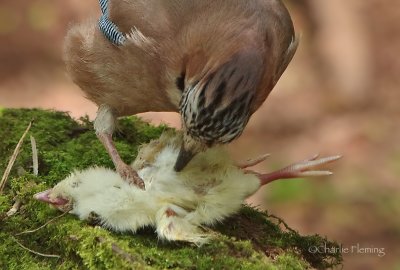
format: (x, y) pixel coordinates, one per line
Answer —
(248, 240)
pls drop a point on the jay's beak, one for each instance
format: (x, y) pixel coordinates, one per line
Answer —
(184, 157)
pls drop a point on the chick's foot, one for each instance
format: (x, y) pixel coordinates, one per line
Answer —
(252, 162)
(305, 168)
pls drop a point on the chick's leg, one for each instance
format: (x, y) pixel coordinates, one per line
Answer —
(309, 167)
(172, 224)
(104, 126)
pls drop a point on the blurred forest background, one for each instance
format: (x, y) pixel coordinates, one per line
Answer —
(340, 95)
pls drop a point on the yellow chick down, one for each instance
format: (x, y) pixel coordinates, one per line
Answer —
(211, 188)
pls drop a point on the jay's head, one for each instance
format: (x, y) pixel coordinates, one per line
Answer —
(216, 106)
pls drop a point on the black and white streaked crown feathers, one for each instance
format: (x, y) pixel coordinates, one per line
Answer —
(216, 109)
(108, 28)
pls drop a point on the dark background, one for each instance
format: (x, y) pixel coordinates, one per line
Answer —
(339, 95)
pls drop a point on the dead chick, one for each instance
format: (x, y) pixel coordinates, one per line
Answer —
(214, 62)
(177, 204)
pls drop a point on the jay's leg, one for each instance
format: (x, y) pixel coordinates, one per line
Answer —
(305, 168)
(104, 126)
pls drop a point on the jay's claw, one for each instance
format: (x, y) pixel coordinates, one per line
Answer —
(130, 175)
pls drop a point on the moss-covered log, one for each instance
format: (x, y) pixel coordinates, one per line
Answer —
(249, 240)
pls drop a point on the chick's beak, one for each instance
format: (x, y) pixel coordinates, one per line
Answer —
(44, 196)
(184, 157)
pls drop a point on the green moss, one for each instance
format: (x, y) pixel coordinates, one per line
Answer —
(247, 240)
(289, 261)
(5, 203)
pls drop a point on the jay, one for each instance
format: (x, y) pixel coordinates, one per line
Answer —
(214, 62)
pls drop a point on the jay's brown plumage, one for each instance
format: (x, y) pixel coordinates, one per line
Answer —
(215, 62)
